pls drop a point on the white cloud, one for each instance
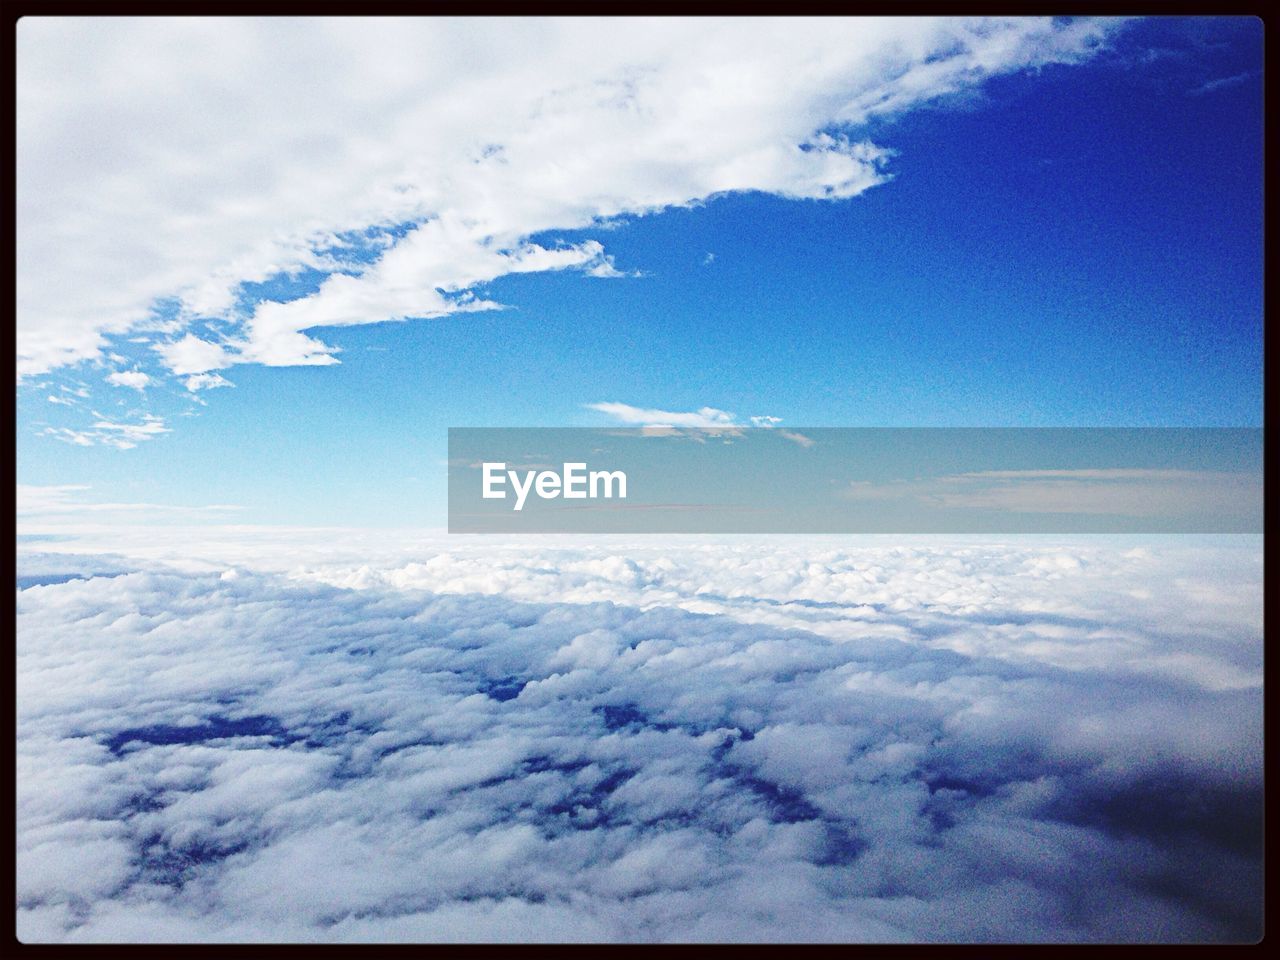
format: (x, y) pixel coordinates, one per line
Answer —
(37, 499)
(704, 417)
(122, 435)
(135, 379)
(206, 381)
(1221, 83)
(191, 355)
(695, 424)
(67, 501)
(79, 438)
(798, 438)
(170, 158)
(866, 740)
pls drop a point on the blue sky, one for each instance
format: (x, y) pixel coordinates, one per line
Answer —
(1074, 244)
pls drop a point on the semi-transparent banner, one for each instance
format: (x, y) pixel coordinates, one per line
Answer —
(855, 480)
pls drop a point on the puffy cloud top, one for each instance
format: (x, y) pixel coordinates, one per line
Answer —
(999, 741)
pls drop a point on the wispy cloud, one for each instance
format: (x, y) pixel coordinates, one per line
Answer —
(1222, 83)
(704, 417)
(123, 435)
(68, 502)
(798, 438)
(696, 424)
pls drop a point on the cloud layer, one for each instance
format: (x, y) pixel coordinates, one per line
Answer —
(760, 740)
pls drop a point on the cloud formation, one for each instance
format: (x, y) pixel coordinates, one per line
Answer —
(129, 378)
(40, 504)
(121, 434)
(704, 418)
(695, 425)
(406, 163)
(1017, 740)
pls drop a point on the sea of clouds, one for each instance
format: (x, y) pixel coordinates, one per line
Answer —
(842, 739)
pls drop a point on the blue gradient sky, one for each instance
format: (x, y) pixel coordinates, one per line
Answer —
(1071, 246)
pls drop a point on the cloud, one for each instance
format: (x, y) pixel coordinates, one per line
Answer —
(696, 425)
(129, 378)
(767, 423)
(32, 498)
(191, 355)
(798, 438)
(206, 381)
(410, 162)
(1222, 83)
(747, 739)
(705, 417)
(111, 433)
(128, 435)
(66, 501)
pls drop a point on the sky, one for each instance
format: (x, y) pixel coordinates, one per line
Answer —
(267, 266)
